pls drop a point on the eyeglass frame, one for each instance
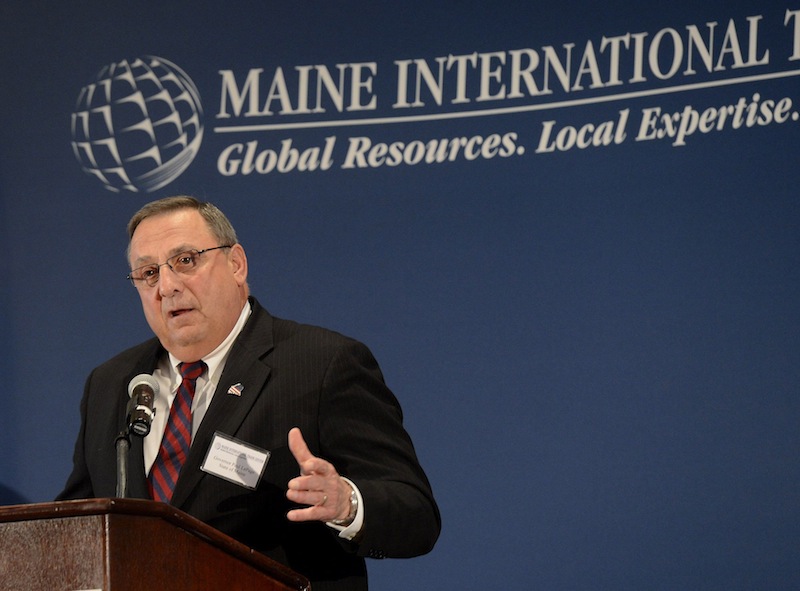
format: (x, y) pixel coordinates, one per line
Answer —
(137, 281)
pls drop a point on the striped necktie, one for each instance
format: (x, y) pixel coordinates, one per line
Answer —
(177, 436)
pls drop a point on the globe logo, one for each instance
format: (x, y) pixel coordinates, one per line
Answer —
(138, 126)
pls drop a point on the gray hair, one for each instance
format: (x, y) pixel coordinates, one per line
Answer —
(217, 222)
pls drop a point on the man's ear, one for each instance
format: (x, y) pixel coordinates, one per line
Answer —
(238, 261)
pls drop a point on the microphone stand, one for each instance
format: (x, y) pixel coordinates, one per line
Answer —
(123, 446)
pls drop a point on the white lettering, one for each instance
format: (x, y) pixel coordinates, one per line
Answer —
(794, 15)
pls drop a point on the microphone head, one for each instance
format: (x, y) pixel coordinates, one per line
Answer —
(143, 379)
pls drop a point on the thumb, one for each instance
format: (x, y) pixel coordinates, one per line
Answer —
(298, 446)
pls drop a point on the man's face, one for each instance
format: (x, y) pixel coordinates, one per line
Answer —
(190, 314)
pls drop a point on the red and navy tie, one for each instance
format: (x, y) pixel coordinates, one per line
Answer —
(177, 436)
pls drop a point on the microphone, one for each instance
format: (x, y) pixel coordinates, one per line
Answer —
(142, 389)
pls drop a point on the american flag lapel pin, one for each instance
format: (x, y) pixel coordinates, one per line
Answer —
(236, 389)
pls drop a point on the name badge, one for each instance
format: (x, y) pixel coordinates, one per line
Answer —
(235, 461)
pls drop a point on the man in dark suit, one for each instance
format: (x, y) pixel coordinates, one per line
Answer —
(342, 480)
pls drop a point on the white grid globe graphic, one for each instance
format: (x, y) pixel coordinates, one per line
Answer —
(138, 126)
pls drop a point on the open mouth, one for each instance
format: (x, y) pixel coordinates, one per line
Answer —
(181, 312)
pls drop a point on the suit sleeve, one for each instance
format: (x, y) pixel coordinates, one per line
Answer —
(362, 434)
(79, 484)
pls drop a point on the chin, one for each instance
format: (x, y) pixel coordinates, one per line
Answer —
(183, 340)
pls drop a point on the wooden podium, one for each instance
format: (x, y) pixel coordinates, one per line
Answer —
(127, 545)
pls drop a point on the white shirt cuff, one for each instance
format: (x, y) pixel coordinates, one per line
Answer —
(351, 530)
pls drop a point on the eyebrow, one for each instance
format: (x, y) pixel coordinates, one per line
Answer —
(146, 260)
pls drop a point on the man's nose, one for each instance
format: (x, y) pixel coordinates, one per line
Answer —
(169, 282)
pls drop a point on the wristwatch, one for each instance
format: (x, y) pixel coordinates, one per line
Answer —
(353, 510)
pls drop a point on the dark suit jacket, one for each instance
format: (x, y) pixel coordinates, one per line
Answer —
(293, 375)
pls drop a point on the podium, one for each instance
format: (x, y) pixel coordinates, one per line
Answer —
(127, 545)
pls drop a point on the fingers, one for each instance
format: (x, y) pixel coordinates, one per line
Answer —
(322, 504)
(313, 513)
(333, 503)
(318, 485)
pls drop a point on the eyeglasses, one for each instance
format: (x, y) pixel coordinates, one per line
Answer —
(183, 263)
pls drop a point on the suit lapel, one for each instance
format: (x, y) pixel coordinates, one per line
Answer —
(245, 366)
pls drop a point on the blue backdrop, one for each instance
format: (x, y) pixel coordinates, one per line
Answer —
(568, 231)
